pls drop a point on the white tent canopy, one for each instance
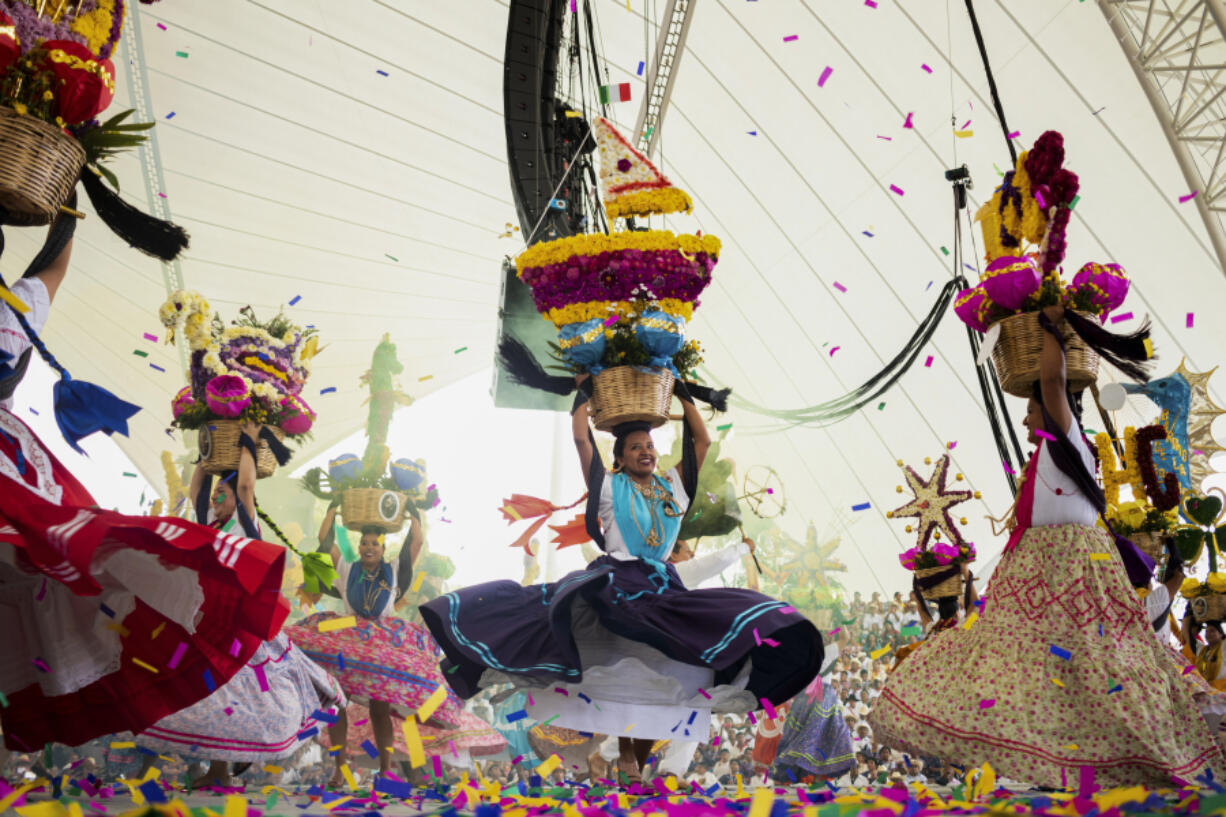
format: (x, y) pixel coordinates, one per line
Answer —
(300, 169)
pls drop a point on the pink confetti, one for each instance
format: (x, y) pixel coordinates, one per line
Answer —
(236, 648)
(1015, 134)
(715, 742)
(770, 642)
(451, 746)
(530, 701)
(1123, 316)
(180, 651)
(1188, 198)
(928, 362)
(161, 195)
(162, 26)
(926, 69)
(769, 709)
(42, 591)
(1040, 199)
(953, 445)
(516, 759)
(42, 665)
(704, 693)
(1008, 468)
(835, 349)
(1191, 319)
(821, 81)
(561, 691)
(836, 630)
(1038, 432)
(752, 719)
(757, 639)
(871, 3)
(787, 611)
(987, 703)
(612, 319)
(151, 338)
(791, 38)
(839, 286)
(228, 710)
(261, 677)
(896, 189)
(362, 722)
(965, 125)
(438, 767)
(886, 138)
(908, 124)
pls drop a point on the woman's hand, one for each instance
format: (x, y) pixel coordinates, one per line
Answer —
(251, 429)
(749, 543)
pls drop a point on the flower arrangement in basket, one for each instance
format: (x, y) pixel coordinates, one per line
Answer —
(251, 370)
(937, 566)
(1207, 599)
(56, 76)
(1151, 519)
(1024, 226)
(621, 301)
(372, 493)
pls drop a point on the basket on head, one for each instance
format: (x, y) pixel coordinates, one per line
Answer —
(622, 394)
(950, 587)
(373, 508)
(1152, 545)
(219, 449)
(39, 167)
(1016, 355)
(1209, 608)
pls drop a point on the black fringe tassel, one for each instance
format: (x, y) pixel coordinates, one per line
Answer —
(150, 235)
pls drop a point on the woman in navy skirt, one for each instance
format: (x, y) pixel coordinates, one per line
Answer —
(622, 647)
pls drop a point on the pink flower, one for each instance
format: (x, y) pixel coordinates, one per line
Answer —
(297, 417)
(182, 401)
(907, 558)
(227, 395)
(945, 553)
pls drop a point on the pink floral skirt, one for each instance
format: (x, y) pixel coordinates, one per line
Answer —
(387, 659)
(1060, 672)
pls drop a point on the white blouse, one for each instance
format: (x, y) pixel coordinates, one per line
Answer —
(614, 544)
(1057, 499)
(342, 585)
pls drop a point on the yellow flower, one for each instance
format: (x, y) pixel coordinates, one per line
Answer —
(95, 26)
(1217, 582)
(578, 313)
(586, 244)
(1190, 588)
(650, 202)
(1132, 514)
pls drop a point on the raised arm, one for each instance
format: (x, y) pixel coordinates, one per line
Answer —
(698, 428)
(327, 536)
(199, 497)
(246, 468)
(1052, 375)
(582, 435)
(921, 608)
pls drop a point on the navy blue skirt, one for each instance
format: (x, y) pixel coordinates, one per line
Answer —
(525, 632)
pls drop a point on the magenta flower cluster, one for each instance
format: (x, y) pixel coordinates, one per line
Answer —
(33, 29)
(619, 275)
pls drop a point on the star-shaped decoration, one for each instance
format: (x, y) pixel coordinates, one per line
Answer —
(1202, 411)
(932, 503)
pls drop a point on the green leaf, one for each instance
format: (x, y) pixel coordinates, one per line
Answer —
(109, 175)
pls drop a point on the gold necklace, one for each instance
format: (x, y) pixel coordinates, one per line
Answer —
(659, 500)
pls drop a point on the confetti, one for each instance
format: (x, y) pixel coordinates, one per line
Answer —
(752, 132)
(1015, 134)
(394, 258)
(928, 362)
(181, 54)
(461, 349)
(1060, 652)
(1191, 319)
(417, 580)
(875, 654)
(412, 742)
(140, 353)
(821, 81)
(867, 233)
(155, 366)
(641, 66)
(908, 124)
(964, 134)
(791, 38)
(885, 138)
(945, 251)
(432, 703)
(1188, 198)
(517, 716)
(41, 665)
(839, 286)
(236, 648)
(871, 3)
(370, 749)
(162, 26)
(1073, 203)
(835, 349)
(1120, 318)
(424, 378)
(927, 70)
(987, 703)
(294, 300)
(970, 620)
(1038, 432)
(261, 677)
(863, 506)
(342, 623)
(149, 337)
(381, 72)
(1099, 557)
(896, 189)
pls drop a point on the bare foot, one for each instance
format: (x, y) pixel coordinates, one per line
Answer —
(212, 777)
(337, 780)
(630, 768)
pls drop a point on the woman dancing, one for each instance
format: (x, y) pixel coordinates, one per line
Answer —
(266, 710)
(622, 647)
(1061, 671)
(385, 662)
(816, 741)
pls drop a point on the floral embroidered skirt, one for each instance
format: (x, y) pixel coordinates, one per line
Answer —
(816, 740)
(1060, 672)
(265, 712)
(387, 659)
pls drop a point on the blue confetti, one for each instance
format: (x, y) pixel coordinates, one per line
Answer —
(328, 390)
(1060, 652)
(208, 681)
(867, 233)
(584, 697)
(295, 300)
(308, 733)
(863, 506)
(396, 788)
(370, 749)
(692, 716)
(517, 716)
(381, 72)
(320, 715)
(640, 71)
(340, 661)
(155, 366)
(153, 792)
(106, 611)
(170, 115)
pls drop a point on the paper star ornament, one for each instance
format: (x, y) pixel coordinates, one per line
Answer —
(931, 504)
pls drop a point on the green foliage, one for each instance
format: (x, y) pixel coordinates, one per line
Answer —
(107, 140)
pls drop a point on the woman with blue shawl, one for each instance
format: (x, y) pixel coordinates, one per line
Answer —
(623, 647)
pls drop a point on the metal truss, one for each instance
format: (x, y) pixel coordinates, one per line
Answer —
(669, 45)
(1178, 50)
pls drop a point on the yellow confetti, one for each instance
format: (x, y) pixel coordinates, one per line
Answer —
(116, 627)
(158, 630)
(571, 115)
(763, 798)
(75, 810)
(1057, 683)
(964, 134)
(143, 665)
(432, 703)
(412, 741)
(123, 744)
(810, 811)
(546, 768)
(12, 300)
(343, 623)
(424, 378)
(348, 775)
(340, 801)
(875, 654)
(740, 787)
(236, 806)
(971, 619)
(1072, 747)
(417, 580)
(628, 728)
(272, 769)
(49, 808)
(336, 748)
(1099, 557)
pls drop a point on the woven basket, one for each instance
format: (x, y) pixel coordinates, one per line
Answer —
(1152, 545)
(1016, 355)
(39, 167)
(219, 449)
(1209, 608)
(373, 508)
(950, 587)
(622, 394)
